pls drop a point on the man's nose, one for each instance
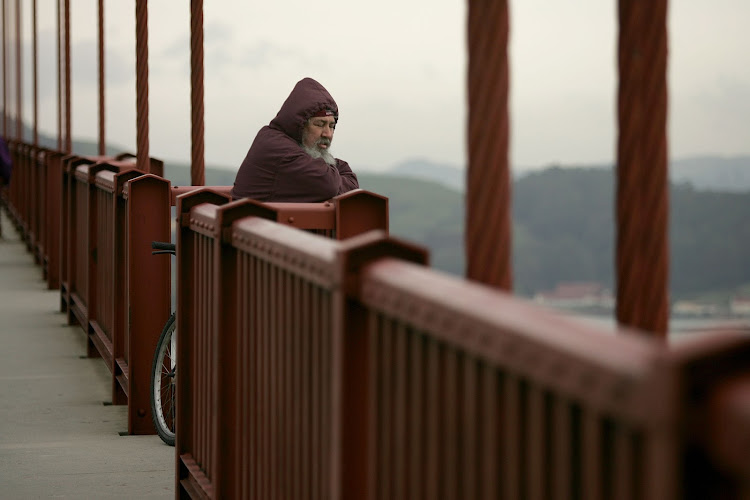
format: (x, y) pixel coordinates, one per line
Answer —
(327, 131)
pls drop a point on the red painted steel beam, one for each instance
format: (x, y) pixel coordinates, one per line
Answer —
(35, 74)
(359, 211)
(53, 208)
(5, 73)
(642, 180)
(149, 289)
(68, 126)
(488, 221)
(102, 136)
(728, 436)
(304, 215)
(58, 41)
(197, 165)
(187, 282)
(19, 93)
(177, 191)
(141, 67)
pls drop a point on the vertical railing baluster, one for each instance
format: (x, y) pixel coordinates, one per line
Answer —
(490, 433)
(415, 415)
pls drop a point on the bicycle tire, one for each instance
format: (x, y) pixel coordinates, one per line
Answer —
(164, 383)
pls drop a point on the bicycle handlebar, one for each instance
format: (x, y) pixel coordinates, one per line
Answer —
(163, 247)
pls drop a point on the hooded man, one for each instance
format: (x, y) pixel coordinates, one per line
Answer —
(290, 158)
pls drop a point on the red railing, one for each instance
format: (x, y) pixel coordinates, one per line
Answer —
(148, 291)
(341, 369)
(315, 367)
(203, 270)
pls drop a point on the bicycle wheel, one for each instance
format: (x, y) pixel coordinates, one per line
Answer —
(164, 382)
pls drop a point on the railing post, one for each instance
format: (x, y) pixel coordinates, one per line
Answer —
(35, 199)
(226, 346)
(92, 258)
(120, 287)
(40, 210)
(70, 232)
(53, 211)
(185, 324)
(148, 291)
(353, 412)
(359, 211)
(714, 371)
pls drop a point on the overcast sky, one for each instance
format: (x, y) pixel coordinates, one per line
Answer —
(398, 72)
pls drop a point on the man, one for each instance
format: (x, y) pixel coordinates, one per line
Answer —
(290, 159)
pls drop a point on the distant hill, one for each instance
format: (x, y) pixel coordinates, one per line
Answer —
(563, 229)
(716, 173)
(81, 147)
(179, 174)
(448, 175)
(425, 212)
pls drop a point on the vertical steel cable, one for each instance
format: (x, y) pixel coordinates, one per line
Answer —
(5, 75)
(642, 183)
(488, 221)
(141, 65)
(197, 165)
(36, 75)
(68, 138)
(102, 137)
(19, 102)
(59, 77)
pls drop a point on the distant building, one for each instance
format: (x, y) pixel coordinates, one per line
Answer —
(694, 308)
(577, 295)
(740, 306)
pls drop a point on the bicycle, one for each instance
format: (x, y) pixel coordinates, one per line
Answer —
(164, 369)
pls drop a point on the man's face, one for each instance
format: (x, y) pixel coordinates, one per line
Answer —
(318, 132)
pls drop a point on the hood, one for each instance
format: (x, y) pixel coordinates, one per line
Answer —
(307, 98)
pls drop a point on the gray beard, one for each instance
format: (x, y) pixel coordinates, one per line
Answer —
(320, 153)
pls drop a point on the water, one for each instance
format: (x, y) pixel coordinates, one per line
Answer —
(678, 325)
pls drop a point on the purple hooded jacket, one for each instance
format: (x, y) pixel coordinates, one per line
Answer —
(276, 167)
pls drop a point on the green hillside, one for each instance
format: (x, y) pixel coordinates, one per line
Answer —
(564, 231)
(424, 212)
(563, 228)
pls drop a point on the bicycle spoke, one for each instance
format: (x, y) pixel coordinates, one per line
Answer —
(164, 379)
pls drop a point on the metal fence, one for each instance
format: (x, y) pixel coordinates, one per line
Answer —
(313, 368)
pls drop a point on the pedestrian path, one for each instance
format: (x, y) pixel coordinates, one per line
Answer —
(59, 435)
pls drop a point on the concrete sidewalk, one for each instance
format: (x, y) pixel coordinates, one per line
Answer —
(59, 436)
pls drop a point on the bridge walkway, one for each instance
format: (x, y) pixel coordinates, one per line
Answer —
(59, 435)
